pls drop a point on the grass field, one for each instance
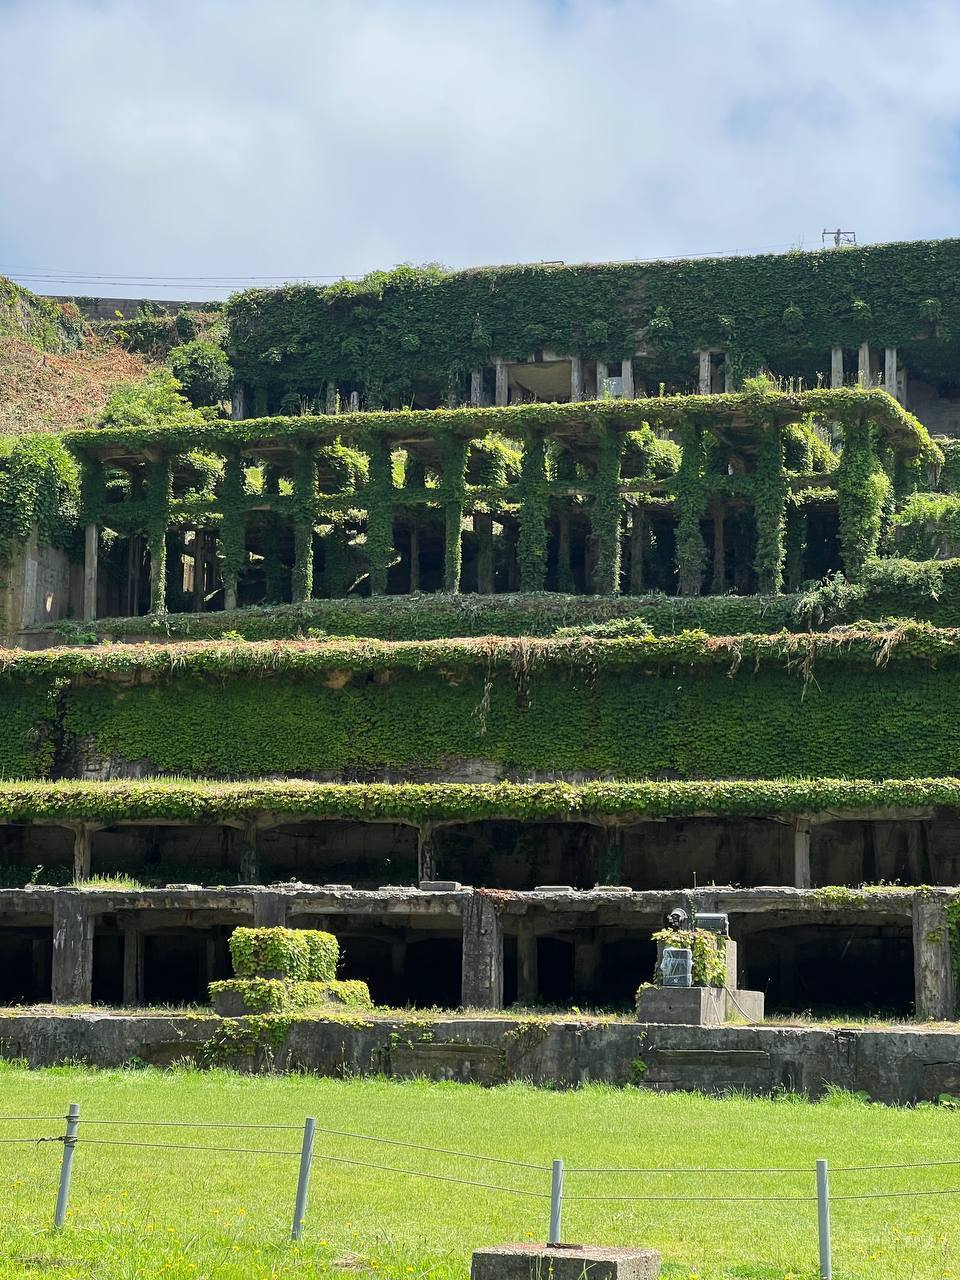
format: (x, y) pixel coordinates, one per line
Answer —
(192, 1215)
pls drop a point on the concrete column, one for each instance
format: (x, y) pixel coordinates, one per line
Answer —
(705, 383)
(229, 598)
(199, 569)
(482, 971)
(330, 405)
(628, 391)
(132, 967)
(73, 931)
(238, 403)
(476, 389)
(638, 539)
(576, 379)
(890, 372)
(354, 401)
(503, 383)
(90, 549)
(82, 851)
(528, 978)
(245, 839)
(414, 554)
(586, 964)
(486, 565)
(728, 386)
(40, 989)
(863, 364)
(601, 378)
(836, 367)
(426, 853)
(801, 855)
(934, 995)
(269, 910)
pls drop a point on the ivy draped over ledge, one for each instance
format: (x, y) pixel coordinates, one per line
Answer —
(872, 647)
(185, 800)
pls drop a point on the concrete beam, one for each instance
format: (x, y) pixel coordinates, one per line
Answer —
(73, 929)
(482, 965)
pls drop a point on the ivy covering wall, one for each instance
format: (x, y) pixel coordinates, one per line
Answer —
(419, 330)
(845, 704)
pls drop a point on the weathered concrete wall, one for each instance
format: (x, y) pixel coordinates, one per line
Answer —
(40, 584)
(893, 1066)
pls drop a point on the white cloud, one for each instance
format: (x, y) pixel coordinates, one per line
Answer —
(264, 137)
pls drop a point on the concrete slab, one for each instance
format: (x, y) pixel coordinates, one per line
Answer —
(564, 1262)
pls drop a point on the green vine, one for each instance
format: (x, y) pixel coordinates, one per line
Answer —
(534, 507)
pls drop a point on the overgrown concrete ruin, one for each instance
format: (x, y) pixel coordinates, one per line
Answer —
(484, 653)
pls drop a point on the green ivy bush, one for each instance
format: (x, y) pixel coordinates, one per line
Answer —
(298, 955)
(274, 995)
(203, 371)
(709, 953)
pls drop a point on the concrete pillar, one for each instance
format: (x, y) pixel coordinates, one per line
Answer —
(586, 964)
(601, 378)
(245, 841)
(502, 382)
(476, 389)
(528, 978)
(801, 855)
(354, 401)
(628, 391)
(934, 995)
(229, 598)
(482, 971)
(132, 967)
(426, 853)
(73, 931)
(728, 386)
(330, 405)
(199, 568)
(576, 379)
(638, 540)
(705, 382)
(238, 403)
(90, 549)
(269, 910)
(414, 554)
(836, 367)
(890, 372)
(863, 365)
(486, 564)
(82, 851)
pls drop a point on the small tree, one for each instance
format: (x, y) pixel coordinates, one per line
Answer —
(203, 370)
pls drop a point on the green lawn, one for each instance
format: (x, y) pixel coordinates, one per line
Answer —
(192, 1215)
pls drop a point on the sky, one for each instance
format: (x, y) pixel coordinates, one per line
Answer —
(181, 148)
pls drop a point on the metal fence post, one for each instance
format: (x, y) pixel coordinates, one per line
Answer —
(66, 1164)
(303, 1182)
(556, 1202)
(823, 1219)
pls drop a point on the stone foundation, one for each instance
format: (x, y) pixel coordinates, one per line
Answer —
(896, 1065)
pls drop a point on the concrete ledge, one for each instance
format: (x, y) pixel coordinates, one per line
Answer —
(564, 1262)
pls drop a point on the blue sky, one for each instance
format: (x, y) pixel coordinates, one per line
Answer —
(300, 138)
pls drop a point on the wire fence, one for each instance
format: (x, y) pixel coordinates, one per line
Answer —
(554, 1189)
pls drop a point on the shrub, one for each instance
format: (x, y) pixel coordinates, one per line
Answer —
(203, 370)
(299, 955)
